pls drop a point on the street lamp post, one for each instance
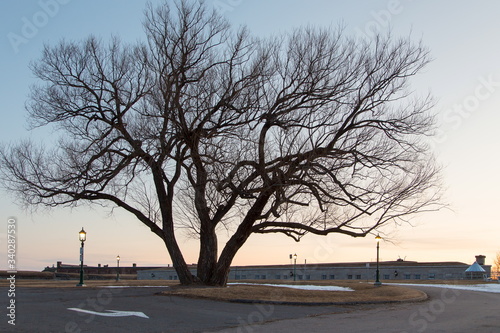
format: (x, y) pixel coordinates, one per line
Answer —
(117, 268)
(377, 280)
(82, 236)
(294, 267)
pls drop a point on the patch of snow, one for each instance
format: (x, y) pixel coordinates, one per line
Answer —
(489, 288)
(301, 287)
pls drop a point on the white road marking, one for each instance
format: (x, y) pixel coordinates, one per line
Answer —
(112, 313)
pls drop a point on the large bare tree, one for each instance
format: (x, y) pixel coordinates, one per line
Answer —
(206, 127)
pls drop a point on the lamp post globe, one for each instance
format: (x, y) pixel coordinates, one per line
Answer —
(82, 237)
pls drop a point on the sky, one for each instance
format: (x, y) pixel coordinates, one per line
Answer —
(464, 78)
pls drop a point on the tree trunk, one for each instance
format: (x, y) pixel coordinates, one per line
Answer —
(165, 198)
(183, 272)
(207, 259)
(221, 272)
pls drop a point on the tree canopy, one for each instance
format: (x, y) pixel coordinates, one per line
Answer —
(205, 126)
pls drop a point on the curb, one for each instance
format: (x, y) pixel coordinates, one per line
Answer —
(423, 298)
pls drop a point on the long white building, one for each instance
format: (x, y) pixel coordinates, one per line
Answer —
(388, 270)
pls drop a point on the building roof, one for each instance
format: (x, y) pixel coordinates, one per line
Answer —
(475, 267)
(399, 263)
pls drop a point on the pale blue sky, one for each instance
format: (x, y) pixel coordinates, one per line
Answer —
(464, 78)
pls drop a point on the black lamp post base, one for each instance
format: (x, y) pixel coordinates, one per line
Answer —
(81, 285)
(377, 284)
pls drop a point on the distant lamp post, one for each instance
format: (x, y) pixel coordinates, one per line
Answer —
(377, 280)
(294, 267)
(82, 237)
(117, 268)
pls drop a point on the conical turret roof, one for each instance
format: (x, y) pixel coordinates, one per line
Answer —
(475, 267)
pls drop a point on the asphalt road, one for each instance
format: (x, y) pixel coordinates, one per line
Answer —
(49, 310)
(447, 311)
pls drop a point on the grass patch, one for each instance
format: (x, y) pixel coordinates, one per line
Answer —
(363, 293)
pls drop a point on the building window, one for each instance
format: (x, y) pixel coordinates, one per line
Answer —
(263, 277)
(323, 277)
(285, 277)
(387, 276)
(417, 276)
(243, 277)
(237, 277)
(349, 277)
(308, 277)
(278, 277)
(358, 277)
(300, 277)
(432, 276)
(407, 276)
(332, 277)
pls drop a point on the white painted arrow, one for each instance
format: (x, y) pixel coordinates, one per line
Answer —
(112, 313)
